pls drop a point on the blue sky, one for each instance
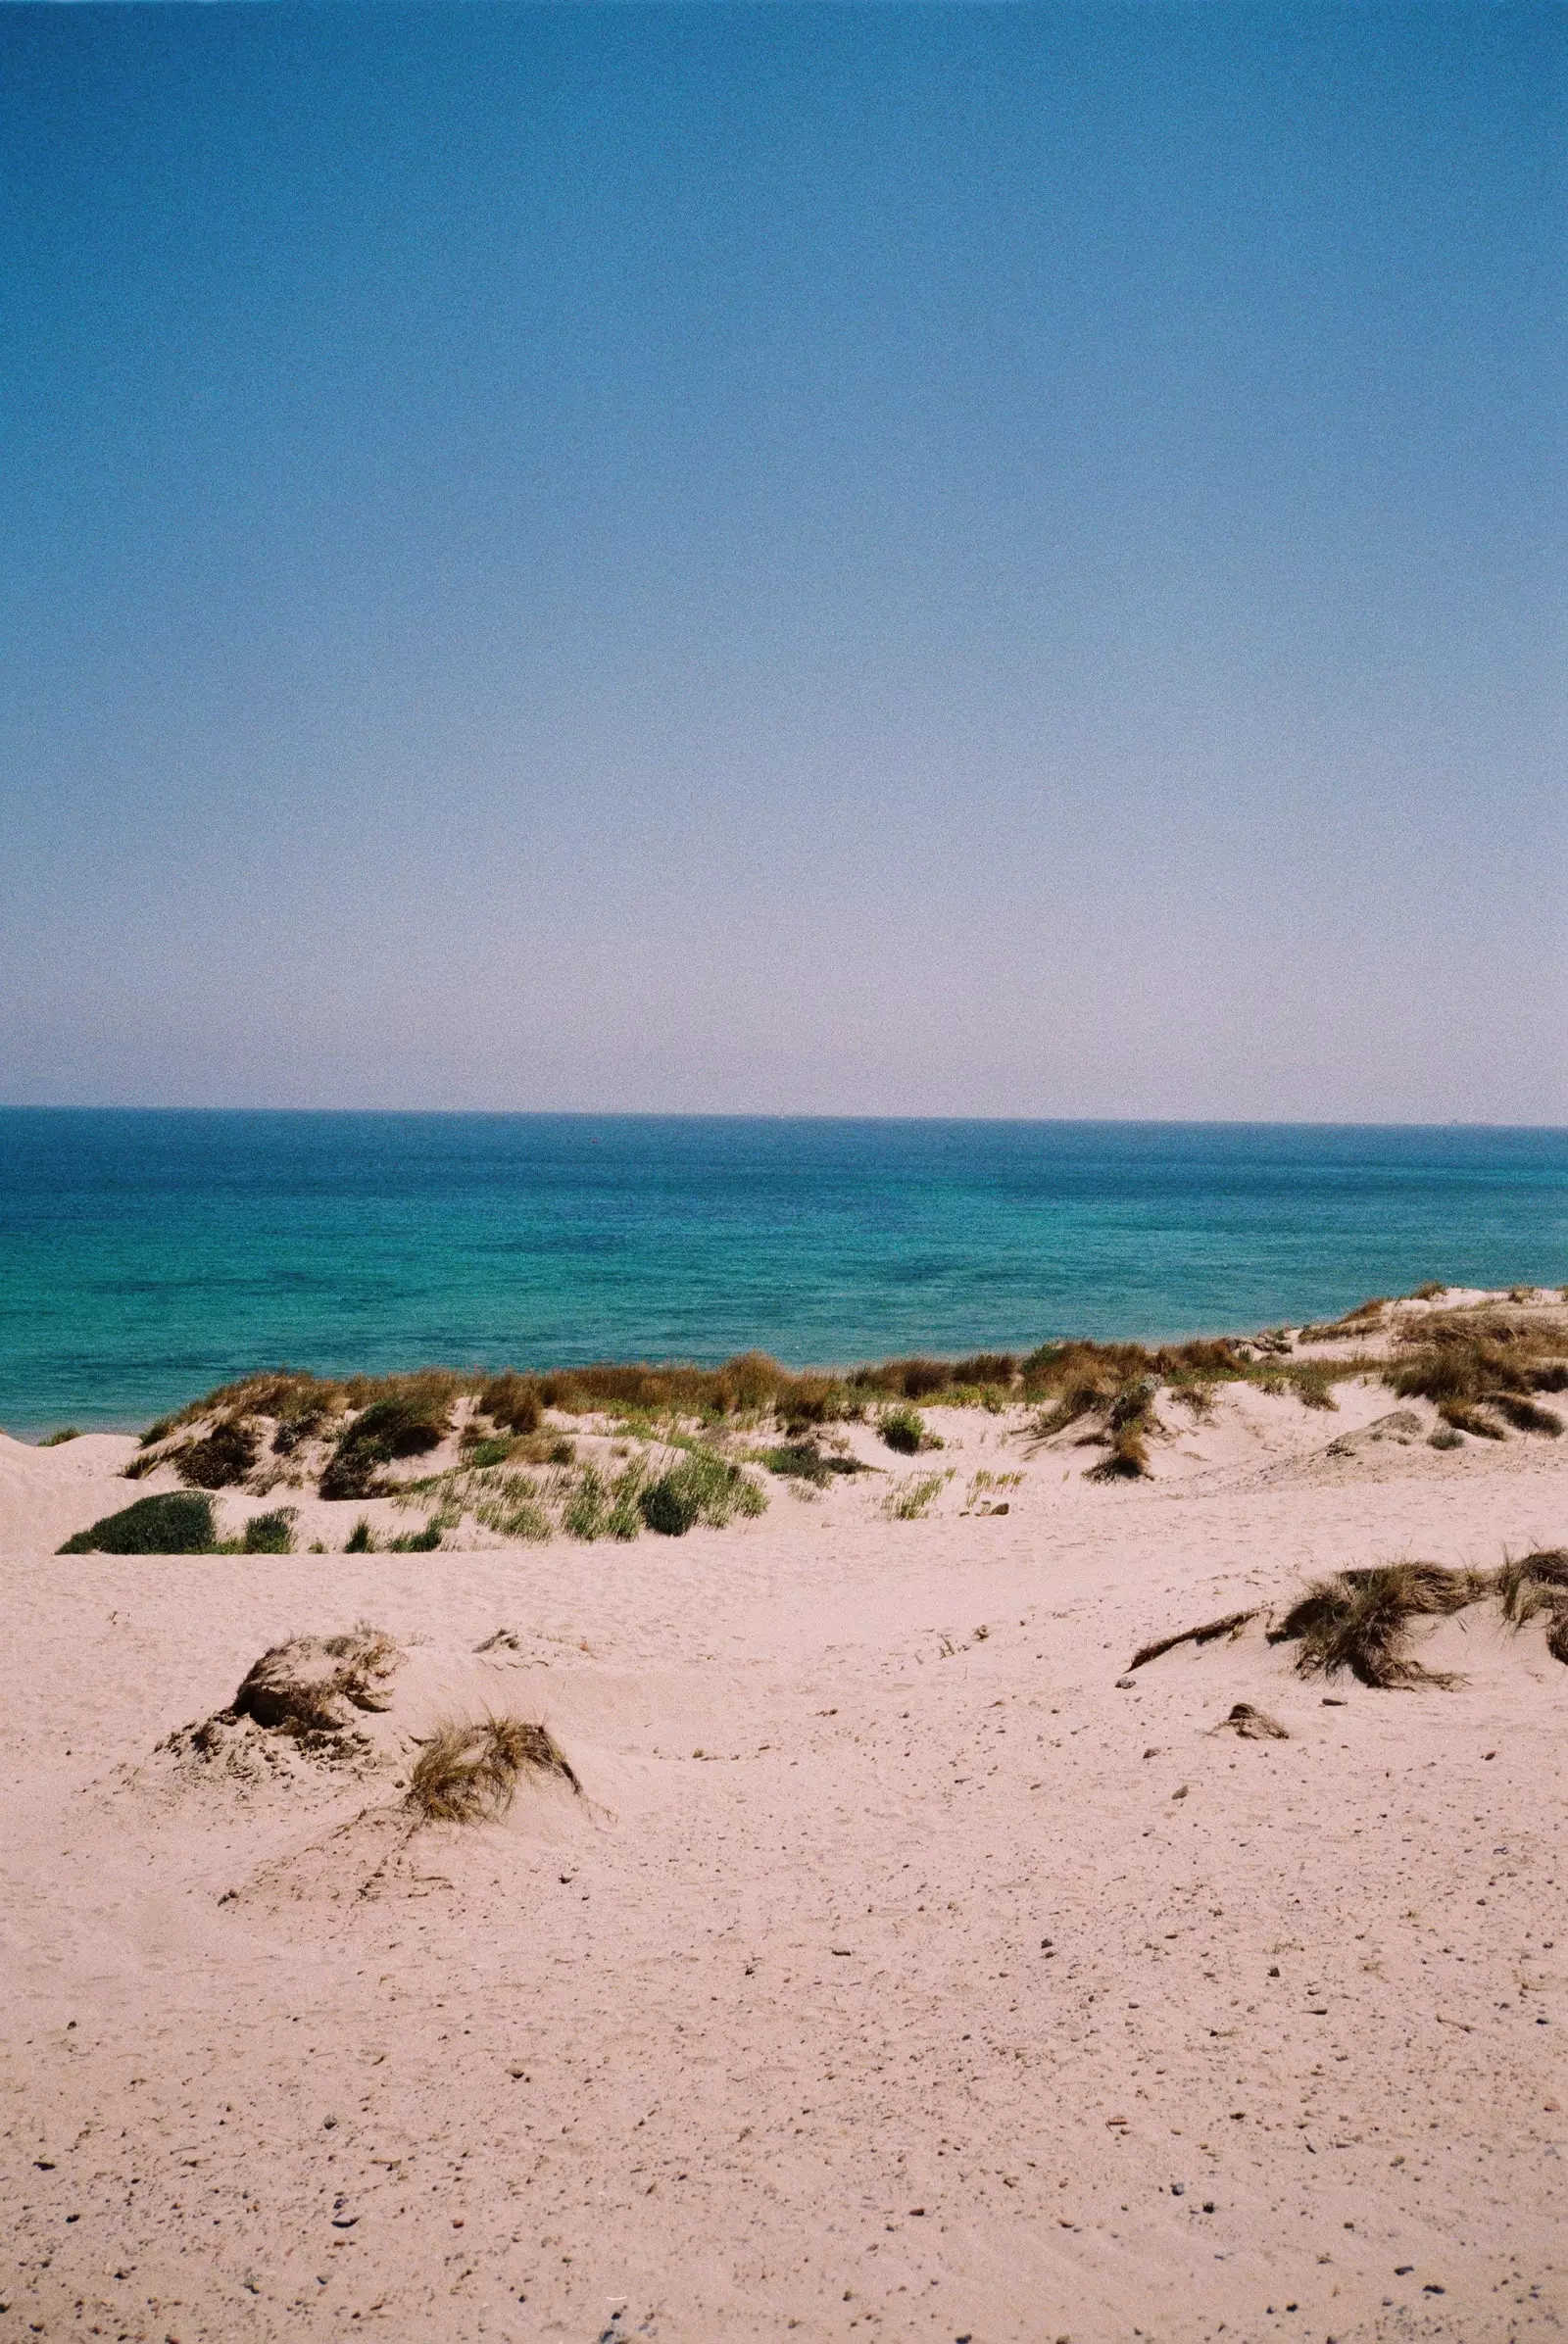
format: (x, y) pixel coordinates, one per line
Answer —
(931, 560)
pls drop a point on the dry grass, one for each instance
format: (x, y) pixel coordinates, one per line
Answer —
(1480, 1365)
(1364, 1319)
(1129, 1421)
(469, 1772)
(1358, 1620)
(1531, 1584)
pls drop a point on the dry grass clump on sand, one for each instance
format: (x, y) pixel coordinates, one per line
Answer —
(1358, 1620)
(1531, 1584)
(1364, 1319)
(1478, 1366)
(469, 1772)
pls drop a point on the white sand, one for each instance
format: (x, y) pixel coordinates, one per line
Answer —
(894, 1976)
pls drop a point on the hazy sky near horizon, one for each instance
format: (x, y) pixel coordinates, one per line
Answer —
(999, 560)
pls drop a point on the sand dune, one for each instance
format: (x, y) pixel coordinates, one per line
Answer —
(903, 1968)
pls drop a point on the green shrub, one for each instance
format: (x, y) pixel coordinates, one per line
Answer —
(360, 1538)
(802, 1460)
(625, 1518)
(179, 1523)
(703, 1488)
(270, 1534)
(903, 1430)
(670, 1507)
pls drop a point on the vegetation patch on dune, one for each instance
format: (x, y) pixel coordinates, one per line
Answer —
(181, 1522)
(1357, 1623)
(703, 1488)
(911, 1500)
(1484, 1368)
(1358, 1620)
(406, 1423)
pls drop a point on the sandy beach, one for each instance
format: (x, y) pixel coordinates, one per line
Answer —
(908, 1965)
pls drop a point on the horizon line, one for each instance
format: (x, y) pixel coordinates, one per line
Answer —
(791, 1115)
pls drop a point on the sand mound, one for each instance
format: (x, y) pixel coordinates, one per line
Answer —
(1252, 1724)
(318, 1684)
(1400, 1425)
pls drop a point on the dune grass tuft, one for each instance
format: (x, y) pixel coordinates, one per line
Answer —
(804, 1461)
(418, 1541)
(407, 1422)
(1357, 1620)
(469, 1772)
(1480, 1366)
(222, 1457)
(703, 1488)
(1129, 1420)
(911, 1499)
(1531, 1584)
(67, 1431)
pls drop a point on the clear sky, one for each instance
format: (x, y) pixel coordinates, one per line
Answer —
(867, 559)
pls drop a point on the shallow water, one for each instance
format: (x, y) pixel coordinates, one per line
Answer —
(145, 1257)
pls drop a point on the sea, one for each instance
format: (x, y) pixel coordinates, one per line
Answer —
(146, 1256)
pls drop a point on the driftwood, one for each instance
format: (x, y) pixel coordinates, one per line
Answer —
(1231, 1624)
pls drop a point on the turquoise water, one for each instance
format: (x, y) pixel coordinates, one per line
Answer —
(146, 1256)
